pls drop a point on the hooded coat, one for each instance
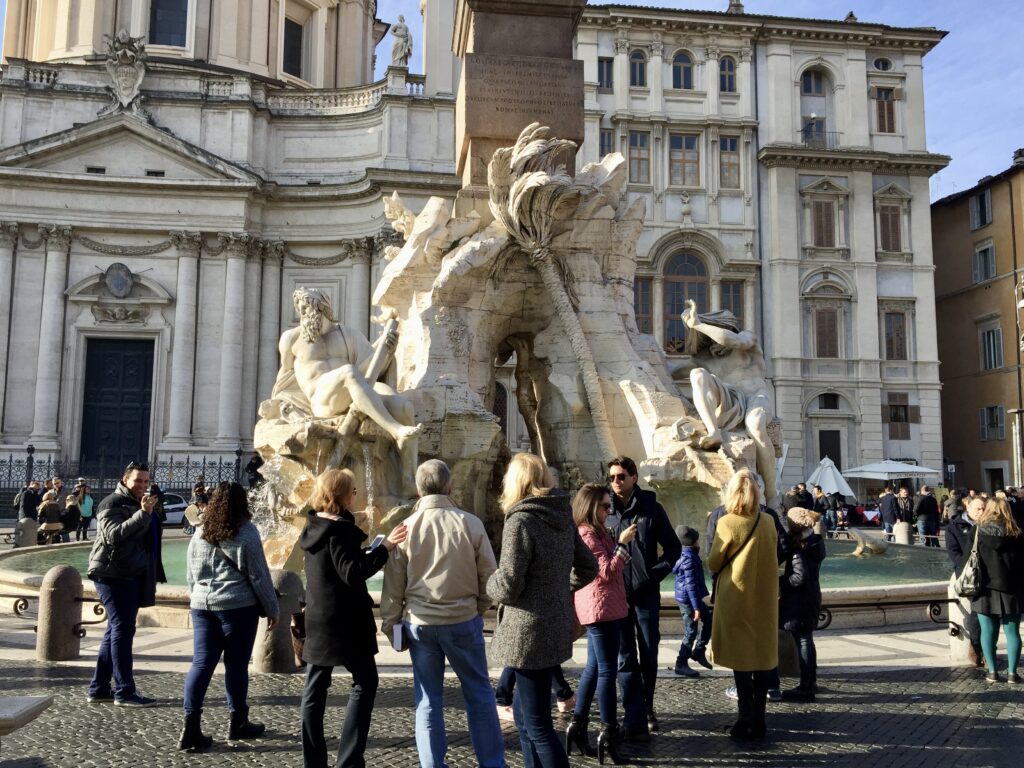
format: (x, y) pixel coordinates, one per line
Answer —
(800, 586)
(543, 561)
(339, 609)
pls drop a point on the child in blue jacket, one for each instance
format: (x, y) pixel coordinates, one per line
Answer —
(690, 593)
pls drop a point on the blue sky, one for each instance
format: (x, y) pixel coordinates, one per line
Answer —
(973, 78)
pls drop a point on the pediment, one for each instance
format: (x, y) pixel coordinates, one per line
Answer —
(894, 190)
(824, 187)
(124, 147)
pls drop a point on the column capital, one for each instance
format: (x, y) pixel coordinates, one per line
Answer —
(237, 244)
(8, 234)
(57, 236)
(621, 45)
(713, 51)
(744, 54)
(273, 252)
(657, 48)
(190, 242)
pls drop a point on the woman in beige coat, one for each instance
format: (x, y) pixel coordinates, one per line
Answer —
(745, 632)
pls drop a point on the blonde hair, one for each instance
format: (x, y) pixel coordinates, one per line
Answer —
(50, 496)
(527, 475)
(742, 495)
(998, 511)
(330, 491)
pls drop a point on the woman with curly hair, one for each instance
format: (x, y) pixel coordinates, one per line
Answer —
(231, 588)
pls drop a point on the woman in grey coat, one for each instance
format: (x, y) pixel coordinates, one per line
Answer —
(543, 560)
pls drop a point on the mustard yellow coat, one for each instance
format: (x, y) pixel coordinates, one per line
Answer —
(745, 628)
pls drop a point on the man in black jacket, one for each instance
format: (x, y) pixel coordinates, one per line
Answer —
(122, 566)
(638, 674)
(30, 500)
(889, 511)
(926, 513)
(959, 539)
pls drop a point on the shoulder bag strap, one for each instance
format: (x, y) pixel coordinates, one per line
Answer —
(734, 555)
(232, 562)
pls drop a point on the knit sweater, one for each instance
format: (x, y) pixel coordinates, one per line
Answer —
(216, 584)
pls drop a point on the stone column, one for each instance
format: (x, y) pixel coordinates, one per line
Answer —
(229, 408)
(656, 76)
(183, 345)
(658, 309)
(620, 76)
(744, 83)
(359, 312)
(8, 237)
(251, 339)
(714, 79)
(749, 298)
(51, 336)
(270, 320)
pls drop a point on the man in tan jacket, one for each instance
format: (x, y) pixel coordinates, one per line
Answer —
(435, 595)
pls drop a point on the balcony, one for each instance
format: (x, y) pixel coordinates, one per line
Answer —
(813, 138)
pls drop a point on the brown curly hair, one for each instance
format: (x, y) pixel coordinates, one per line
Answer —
(227, 511)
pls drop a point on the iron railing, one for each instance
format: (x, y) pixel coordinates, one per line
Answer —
(814, 139)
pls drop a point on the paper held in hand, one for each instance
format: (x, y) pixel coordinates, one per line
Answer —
(397, 638)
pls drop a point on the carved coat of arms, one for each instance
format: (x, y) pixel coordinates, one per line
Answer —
(126, 65)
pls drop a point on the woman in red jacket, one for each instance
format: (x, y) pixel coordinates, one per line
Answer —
(600, 607)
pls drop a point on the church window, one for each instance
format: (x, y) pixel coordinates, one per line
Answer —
(168, 22)
(682, 72)
(292, 61)
(686, 277)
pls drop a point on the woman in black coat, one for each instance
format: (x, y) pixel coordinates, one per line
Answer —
(800, 596)
(340, 630)
(1001, 602)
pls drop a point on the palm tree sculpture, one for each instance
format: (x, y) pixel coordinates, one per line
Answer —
(531, 194)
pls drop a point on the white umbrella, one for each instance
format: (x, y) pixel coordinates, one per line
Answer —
(827, 475)
(891, 470)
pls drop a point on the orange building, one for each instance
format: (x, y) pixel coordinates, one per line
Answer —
(978, 237)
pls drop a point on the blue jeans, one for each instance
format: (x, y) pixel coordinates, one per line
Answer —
(888, 531)
(355, 731)
(532, 709)
(808, 659)
(599, 674)
(928, 532)
(506, 686)
(120, 598)
(463, 645)
(639, 673)
(232, 633)
(696, 635)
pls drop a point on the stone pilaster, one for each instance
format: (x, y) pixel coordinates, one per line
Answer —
(250, 340)
(359, 314)
(51, 336)
(183, 344)
(270, 320)
(8, 237)
(656, 75)
(236, 249)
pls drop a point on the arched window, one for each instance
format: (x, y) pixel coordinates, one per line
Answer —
(682, 72)
(686, 277)
(813, 83)
(638, 69)
(727, 74)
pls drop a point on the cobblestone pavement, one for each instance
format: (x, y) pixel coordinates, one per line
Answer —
(902, 718)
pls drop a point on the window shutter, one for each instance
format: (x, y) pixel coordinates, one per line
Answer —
(914, 414)
(972, 204)
(824, 224)
(826, 332)
(885, 413)
(983, 423)
(1001, 421)
(976, 267)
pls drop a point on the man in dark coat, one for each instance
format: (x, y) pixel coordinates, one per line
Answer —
(889, 511)
(926, 513)
(638, 673)
(959, 540)
(30, 500)
(790, 499)
(121, 565)
(803, 497)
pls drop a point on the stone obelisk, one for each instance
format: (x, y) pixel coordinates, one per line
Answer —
(517, 69)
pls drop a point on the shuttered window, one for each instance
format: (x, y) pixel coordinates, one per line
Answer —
(983, 264)
(885, 106)
(895, 336)
(980, 207)
(889, 228)
(826, 333)
(823, 224)
(991, 349)
(992, 423)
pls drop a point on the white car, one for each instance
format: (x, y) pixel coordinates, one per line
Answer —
(174, 508)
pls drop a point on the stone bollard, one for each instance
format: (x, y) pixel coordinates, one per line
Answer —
(60, 610)
(960, 644)
(273, 651)
(902, 533)
(25, 532)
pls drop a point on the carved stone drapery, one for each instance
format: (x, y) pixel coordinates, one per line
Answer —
(123, 250)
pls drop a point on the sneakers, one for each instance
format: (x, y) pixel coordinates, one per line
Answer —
(505, 714)
(568, 705)
(774, 694)
(100, 697)
(684, 670)
(134, 700)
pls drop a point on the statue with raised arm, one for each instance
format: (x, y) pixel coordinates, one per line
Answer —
(328, 368)
(730, 385)
(401, 48)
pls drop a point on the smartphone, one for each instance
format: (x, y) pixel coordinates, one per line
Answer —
(377, 540)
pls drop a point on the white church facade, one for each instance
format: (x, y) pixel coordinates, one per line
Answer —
(149, 250)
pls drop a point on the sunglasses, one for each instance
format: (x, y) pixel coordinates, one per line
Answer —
(620, 478)
(607, 507)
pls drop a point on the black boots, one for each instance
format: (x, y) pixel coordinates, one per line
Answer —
(608, 744)
(241, 728)
(576, 734)
(192, 738)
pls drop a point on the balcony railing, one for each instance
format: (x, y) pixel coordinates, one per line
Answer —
(815, 139)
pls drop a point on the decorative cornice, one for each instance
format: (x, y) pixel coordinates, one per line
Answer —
(325, 261)
(798, 156)
(123, 250)
(189, 242)
(57, 237)
(8, 234)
